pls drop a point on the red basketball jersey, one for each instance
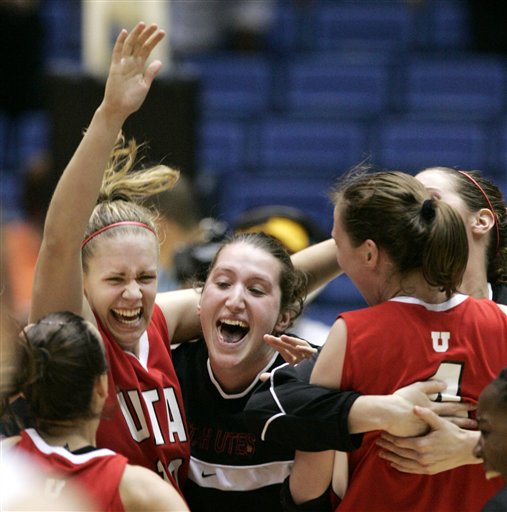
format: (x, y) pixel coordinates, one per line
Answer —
(96, 473)
(464, 342)
(144, 418)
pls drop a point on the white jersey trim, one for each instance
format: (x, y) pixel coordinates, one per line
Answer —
(454, 301)
(272, 391)
(81, 458)
(238, 478)
(144, 350)
(229, 396)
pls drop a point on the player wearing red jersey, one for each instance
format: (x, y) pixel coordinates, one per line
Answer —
(63, 375)
(406, 252)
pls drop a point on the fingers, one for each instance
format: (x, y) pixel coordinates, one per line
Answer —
(292, 349)
(118, 46)
(398, 444)
(143, 36)
(399, 458)
(432, 419)
(147, 46)
(152, 71)
(466, 423)
(452, 408)
(131, 40)
(432, 386)
(264, 376)
(298, 344)
(293, 341)
(403, 459)
(400, 463)
(140, 42)
(408, 466)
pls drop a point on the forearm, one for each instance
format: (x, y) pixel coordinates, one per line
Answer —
(319, 263)
(311, 475)
(59, 262)
(371, 412)
(294, 413)
(390, 413)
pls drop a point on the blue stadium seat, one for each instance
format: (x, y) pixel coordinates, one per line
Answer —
(239, 192)
(33, 135)
(287, 31)
(222, 144)
(409, 143)
(387, 25)
(447, 25)
(502, 185)
(345, 83)
(62, 20)
(498, 162)
(234, 85)
(467, 86)
(10, 190)
(22, 137)
(323, 146)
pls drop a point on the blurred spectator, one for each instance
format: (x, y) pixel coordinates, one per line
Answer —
(204, 25)
(192, 26)
(22, 236)
(102, 20)
(178, 224)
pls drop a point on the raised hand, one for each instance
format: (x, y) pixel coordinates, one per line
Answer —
(130, 78)
(292, 349)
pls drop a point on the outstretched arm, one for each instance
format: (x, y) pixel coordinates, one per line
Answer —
(319, 263)
(58, 282)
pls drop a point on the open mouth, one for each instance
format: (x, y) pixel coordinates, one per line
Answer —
(232, 331)
(127, 316)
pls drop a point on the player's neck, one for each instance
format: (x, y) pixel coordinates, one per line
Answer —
(72, 437)
(415, 285)
(475, 280)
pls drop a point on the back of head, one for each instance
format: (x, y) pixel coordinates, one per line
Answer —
(178, 204)
(478, 192)
(61, 357)
(397, 212)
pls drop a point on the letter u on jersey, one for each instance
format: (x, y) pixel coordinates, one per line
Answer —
(440, 341)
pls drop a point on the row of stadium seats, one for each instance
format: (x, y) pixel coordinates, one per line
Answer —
(325, 147)
(353, 84)
(319, 25)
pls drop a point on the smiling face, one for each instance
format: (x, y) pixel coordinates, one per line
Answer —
(240, 302)
(121, 284)
(492, 419)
